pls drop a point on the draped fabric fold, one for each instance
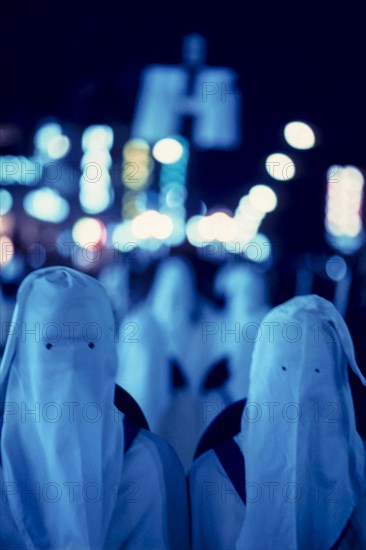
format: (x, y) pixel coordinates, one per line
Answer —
(61, 437)
(302, 452)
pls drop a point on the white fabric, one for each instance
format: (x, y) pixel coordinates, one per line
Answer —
(167, 327)
(152, 500)
(302, 452)
(75, 438)
(173, 301)
(173, 292)
(238, 324)
(143, 368)
(217, 511)
(181, 314)
(155, 332)
(114, 278)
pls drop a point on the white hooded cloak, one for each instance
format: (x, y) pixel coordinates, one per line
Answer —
(58, 434)
(304, 460)
(163, 331)
(66, 483)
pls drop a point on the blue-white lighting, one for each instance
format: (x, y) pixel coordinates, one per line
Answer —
(152, 224)
(168, 151)
(193, 233)
(99, 158)
(6, 202)
(96, 192)
(344, 200)
(258, 249)
(89, 231)
(95, 198)
(13, 269)
(47, 205)
(336, 268)
(263, 198)
(97, 137)
(299, 135)
(280, 167)
(122, 237)
(45, 134)
(58, 147)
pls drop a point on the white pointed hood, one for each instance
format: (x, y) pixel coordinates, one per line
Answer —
(242, 287)
(304, 458)
(173, 293)
(70, 451)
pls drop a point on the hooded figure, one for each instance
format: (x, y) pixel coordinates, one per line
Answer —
(66, 482)
(289, 474)
(177, 306)
(143, 364)
(159, 362)
(245, 295)
(114, 278)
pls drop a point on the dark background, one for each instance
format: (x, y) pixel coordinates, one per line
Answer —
(81, 61)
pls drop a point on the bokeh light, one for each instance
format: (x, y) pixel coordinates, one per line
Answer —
(299, 135)
(280, 167)
(194, 236)
(167, 150)
(336, 268)
(343, 222)
(95, 198)
(218, 226)
(47, 205)
(89, 232)
(6, 202)
(97, 137)
(45, 134)
(152, 224)
(263, 198)
(58, 147)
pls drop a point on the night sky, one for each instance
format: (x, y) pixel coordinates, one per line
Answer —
(81, 61)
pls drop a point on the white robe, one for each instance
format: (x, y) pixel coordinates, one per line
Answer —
(70, 450)
(305, 477)
(153, 333)
(143, 368)
(167, 328)
(151, 504)
(218, 513)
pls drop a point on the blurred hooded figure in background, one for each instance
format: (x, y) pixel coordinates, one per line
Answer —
(114, 278)
(143, 368)
(285, 469)
(175, 304)
(162, 367)
(72, 476)
(246, 303)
